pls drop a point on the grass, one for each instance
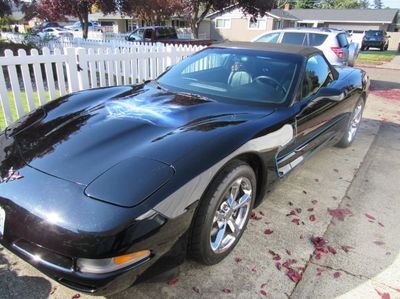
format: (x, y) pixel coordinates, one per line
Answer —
(24, 104)
(375, 57)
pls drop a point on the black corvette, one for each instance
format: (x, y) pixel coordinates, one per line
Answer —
(105, 186)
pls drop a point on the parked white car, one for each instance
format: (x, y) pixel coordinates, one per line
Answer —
(55, 32)
(93, 26)
(332, 42)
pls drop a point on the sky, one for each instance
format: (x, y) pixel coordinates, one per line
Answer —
(391, 3)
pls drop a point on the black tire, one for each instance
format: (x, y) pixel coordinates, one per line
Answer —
(200, 247)
(346, 141)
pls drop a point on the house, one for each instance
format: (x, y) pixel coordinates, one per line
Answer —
(232, 24)
(349, 19)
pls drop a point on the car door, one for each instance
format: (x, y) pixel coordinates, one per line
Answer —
(315, 115)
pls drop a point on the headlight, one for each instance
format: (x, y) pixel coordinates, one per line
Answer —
(98, 266)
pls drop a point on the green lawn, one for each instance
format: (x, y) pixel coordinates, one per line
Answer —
(375, 57)
(24, 103)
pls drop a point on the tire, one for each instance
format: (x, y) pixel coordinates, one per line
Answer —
(353, 125)
(213, 236)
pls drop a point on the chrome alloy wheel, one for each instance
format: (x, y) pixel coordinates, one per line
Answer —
(230, 217)
(355, 121)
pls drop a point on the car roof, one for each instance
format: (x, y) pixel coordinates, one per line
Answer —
(313, 30)
(155, 27)
(270, 47)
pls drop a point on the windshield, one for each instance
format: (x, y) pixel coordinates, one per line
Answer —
(236, 75)
(374, 33)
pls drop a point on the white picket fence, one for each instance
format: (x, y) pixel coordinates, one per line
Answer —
(27, 81)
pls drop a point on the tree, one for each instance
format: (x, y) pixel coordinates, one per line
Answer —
(378, 4)
(53, 10)
(153, 11)
(5, 7)
(343, 4)
(304, 4)
(197, 10)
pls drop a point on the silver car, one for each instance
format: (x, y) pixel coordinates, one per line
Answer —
(332, 42)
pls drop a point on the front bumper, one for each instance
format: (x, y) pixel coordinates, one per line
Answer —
(373, 44)
(83, 228)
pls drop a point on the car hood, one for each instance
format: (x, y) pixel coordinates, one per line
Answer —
(80, 136)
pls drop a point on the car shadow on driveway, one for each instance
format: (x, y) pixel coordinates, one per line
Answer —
(14, 286)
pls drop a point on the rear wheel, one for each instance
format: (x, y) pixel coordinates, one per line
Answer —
(223, 213)
(353, 125)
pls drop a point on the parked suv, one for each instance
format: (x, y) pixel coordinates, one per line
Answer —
(332, 42)
(92, 26)
(375, 39)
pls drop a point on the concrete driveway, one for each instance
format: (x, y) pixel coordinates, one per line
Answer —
(329, 230)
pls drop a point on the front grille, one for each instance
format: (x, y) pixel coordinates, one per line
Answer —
(36, 252)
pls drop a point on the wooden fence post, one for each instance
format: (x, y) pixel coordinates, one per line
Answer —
(72, 70)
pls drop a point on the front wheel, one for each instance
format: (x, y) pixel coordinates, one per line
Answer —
(353, 125)
(223, 213)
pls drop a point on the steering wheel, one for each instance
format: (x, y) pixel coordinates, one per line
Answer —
(268, 80)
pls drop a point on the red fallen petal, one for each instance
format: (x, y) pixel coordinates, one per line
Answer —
(264, 285)
(254, 216)
(296, 220)
(173, 282)
(381, 224)
(398, 290)
(310, 209)
(266, 222)
(383, 295)
(339, 213)
(371, 221)
(293, 261)
(286, 265)
(291, 213)
(313, 218)
(226, 290)
(196, 290)
(277, 257)
(318, 242)
(268, 231)
(332, 250)
(271, 252)
(238, 259)
(298, 210)
(337, 274)
(379, 243)
(314, 202)
(346, 248)
(254, 270)
(264, 293)
(320, 271)
(294, 275)
(278, 266)
(261, 213)
(288, 252)
(76, 296)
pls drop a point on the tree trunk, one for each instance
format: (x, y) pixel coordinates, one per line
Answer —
(195, 29)
(85, 24)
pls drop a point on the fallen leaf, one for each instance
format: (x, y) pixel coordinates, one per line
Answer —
(172, 282)
(379, 243)
(310, 209)
(261, 213)
(268, 231)
(294, 275)
(288, 252)
(291, 213)
(264, 293)
(320, 271)
(278, 266)
(254, 216)
(314, 202)
(370, 217)
(317, 180)
(238, 259)
(301, 237)
(336, 274)
(383, 295)
(346, 248)
(332, 250)
(304, 191)
(196, 290)
(298, 210)
(340, 213)
(313, 218)
(76, 296)
(381, 224)
(226, 290)
(290, 203)
(264, 285)
(296, 220)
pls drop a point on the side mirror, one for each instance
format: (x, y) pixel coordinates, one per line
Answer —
(331, 94)
(169, 67)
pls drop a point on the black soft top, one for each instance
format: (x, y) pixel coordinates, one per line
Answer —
(270, 47)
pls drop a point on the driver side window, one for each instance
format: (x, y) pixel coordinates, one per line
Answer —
(317, 75)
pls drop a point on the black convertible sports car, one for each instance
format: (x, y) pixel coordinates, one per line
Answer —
(104, 186)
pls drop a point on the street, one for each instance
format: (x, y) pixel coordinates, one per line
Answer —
(329, 230)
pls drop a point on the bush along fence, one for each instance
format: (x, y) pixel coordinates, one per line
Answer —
(28, 81)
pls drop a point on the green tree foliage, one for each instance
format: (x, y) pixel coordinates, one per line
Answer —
(378, 4)
(304, 4)
(343, 4)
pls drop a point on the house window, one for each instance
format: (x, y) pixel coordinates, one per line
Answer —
(257, 24)
(223, 23)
